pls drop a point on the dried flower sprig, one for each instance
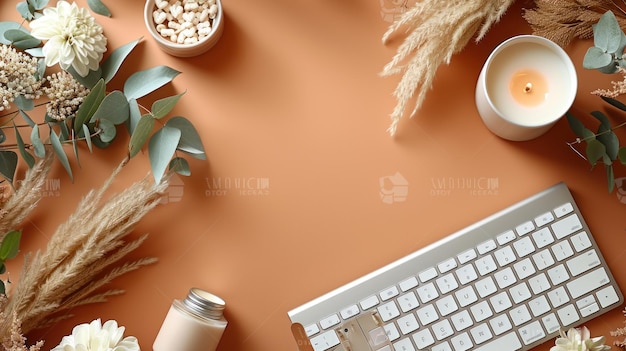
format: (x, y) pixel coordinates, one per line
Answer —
(84, 254)
(565, 20)
(436, 31)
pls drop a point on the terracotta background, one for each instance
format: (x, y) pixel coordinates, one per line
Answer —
(290, 98)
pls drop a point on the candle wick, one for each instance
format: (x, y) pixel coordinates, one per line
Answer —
(528, 88)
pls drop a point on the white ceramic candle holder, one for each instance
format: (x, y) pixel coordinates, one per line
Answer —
(526, 85)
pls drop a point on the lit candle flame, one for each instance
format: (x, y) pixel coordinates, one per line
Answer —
(528, 88)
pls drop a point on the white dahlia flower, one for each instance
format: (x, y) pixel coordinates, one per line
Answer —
(73, 38)
(97, 337)
(579, 340)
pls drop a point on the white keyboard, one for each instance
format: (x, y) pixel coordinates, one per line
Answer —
(508, 282)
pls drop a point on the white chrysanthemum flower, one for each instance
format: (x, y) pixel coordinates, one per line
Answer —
(97, 337)
(74, 39)
(579, 340)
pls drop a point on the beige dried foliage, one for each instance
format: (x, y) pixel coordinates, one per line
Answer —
(562, 21)
(434, 30)
(13, 339)
(25, 198)
(84, 254)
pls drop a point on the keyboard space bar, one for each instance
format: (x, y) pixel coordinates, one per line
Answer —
(507, 342)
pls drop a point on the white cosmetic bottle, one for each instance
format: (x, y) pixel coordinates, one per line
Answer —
(193, 324)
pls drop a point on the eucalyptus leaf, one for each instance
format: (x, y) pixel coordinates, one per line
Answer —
(38, 4)
(58, 150)
(28, 158)
(35, 52)
(23, 103)
(114, 108)
(596, 58)
(610, 178)
(144, 82)
(595, 150)
(161, 149)
(190, 141)
(87, 138)
(135, 115)
(8, 164)
(614, 102)
(108, 131)
(162, 107)
(27, 118)
(8, 25)
(89, 106)
(114, 61)
(10, 245)
(607, 34)
(180, 166)
(3, 136)
(21, 39)
(3, 289)
(621, 155)
(26, 11)
(75, 148)
(38, 146)
(140, 135)
(98, 7)
(575, 124)
(610, 141)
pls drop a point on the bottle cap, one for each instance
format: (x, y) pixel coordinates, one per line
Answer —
(204, 303)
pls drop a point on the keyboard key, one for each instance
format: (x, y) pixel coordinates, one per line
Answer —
(486, 287)
(404, 345)
(462, 342)
(587, 283)
(568, 315)
(442, 330)
(388, 311)
(369, 302)
(524, 268)
(566, 226)
(423, 339)
(485, 265)
(311, 329)
(349, 312)
(461, 320)
(505, 278)
(520, 315)
(466, 274)
(481, 333)
(408, 302)
(500, 302)
(531, 332)
(520, 293)
(539, 283)
(466, 296)
(543, 238)
(563, 210)
(587, 306)
(391, 331)
(504, 256)
(330, 321)
(544, 219)
(442, 347)
(447, 265)
(466, 256)
(581, 241)
(428, 274)
(607, 296)
(558, 274)
(389, 293)
(524, 247)
(583, 263)
(550, 323)
(486, 246)
(506, 237)
(427, 292)
(562, 250)
(543, 259)
(427, 314)
(525, 228)
(408, 324)
(481, 311)
(446, 283)
(539, 306)
(408, 284)
(500, 324)
(558, 297)
(446, 305)
(324, 341)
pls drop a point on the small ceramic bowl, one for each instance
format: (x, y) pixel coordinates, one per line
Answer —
(184, 50)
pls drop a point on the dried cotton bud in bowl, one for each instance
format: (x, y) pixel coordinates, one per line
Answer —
(184, 28)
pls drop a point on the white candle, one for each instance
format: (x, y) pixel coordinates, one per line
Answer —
(526, 85)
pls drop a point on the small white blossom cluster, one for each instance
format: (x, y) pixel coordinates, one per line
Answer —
(186, 21)
(65, 94)
(18, 76)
